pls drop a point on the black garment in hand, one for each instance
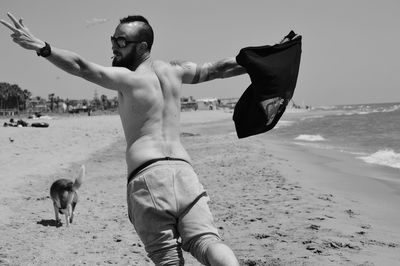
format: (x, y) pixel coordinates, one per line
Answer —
(273, 71)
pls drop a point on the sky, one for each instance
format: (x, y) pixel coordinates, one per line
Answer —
(350, 50)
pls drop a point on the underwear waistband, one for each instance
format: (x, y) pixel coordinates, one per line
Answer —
(149, 162)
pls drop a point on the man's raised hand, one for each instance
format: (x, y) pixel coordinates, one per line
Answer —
(21, 34)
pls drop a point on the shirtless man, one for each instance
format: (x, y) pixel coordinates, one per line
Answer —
(166, 203)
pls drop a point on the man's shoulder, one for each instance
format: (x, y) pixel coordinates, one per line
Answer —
(172, 64)
(181, 63)
(163, 66)
(161, 63)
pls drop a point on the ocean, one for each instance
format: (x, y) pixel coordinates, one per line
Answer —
(369, 132)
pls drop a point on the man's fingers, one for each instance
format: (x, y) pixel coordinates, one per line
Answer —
(8, 25)
(14, 20)
(20, 22)
(17, 36)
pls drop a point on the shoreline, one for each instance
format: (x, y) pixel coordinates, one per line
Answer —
(274, 202)
(367, 192)
(342, 173)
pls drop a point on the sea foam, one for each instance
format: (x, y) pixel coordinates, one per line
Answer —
(310, 138)
(365, 110)
(284, 123)
(386, 157)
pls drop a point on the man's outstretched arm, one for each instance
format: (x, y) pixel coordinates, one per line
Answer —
(192, 73)
(66, 60)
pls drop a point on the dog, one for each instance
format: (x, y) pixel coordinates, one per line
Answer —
(64, 196)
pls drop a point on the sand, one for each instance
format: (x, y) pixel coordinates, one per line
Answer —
(274, 203)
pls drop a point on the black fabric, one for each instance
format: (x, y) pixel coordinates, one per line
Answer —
(147, 163)
(273, 72)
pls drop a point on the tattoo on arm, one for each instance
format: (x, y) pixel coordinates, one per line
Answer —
(200, 73)
(196, 77)
(209, 71)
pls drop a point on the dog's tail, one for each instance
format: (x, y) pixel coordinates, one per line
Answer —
(78, 181)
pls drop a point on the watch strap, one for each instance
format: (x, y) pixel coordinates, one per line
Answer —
(44, 51)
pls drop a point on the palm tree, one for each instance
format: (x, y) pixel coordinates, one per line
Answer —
(104, 101)
(13, 97)
(27, 97)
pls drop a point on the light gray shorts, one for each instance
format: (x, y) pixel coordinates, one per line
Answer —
(169, 209)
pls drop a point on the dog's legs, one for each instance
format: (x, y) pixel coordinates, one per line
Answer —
(71, 213)
(57, 217)
(72, 217)
(68, 214)
(67, 218)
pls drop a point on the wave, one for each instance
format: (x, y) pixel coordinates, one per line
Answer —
(366, 109)
(391, 109)
(326, 108)
(311, 117)
(284, 123)
(310, 138)
(386, 157)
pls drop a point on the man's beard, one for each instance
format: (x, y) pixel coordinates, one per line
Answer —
(128, 61)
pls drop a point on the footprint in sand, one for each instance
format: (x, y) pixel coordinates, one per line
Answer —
(117, 238)
(316, 219)
(261, 236)
(314, 227)
(326, 197)
(314, 249)
(366, 226)
(351, 213)
(380, 243)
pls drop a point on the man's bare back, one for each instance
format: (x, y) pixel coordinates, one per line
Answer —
(150, 114)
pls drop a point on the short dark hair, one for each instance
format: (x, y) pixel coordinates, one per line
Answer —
(146, 33)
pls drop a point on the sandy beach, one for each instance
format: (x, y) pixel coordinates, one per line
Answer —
(274, 203)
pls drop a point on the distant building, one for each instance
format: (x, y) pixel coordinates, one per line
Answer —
(78, 106)
(191, 103)
(37, 106)
(207, 103)
(228, 103)
(188, 104)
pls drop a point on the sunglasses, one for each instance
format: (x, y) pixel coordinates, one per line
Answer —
(121, 42)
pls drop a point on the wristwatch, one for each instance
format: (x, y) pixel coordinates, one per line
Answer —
(45, 51)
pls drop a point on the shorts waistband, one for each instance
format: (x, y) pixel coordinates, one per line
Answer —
(149, 162)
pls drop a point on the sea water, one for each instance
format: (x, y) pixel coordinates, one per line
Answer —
(370, 132)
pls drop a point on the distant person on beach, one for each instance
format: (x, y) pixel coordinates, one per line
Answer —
(166, 202)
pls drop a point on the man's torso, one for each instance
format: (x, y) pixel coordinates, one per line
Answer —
(150, 114)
